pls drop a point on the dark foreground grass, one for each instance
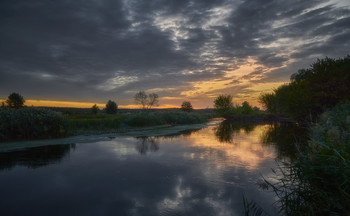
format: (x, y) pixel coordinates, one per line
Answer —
(318, 183)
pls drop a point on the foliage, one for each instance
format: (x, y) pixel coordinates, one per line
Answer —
(223, 105)
(94, 109)
(186, 106)
(146, 101)
(100, 123)
(224, 108)
(15, 100)
(30, 123)
(312, 90)
(111, 107)
(319, 182)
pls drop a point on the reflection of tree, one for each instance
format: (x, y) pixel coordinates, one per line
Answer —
(151, 144)
(35, 157)
(146, 144)
(286, 137)
(226, 131)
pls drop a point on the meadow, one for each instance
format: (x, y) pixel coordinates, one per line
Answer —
(28, 123)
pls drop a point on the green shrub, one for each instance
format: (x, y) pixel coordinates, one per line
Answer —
(30, 123)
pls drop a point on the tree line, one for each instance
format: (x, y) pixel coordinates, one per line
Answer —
(311, 91)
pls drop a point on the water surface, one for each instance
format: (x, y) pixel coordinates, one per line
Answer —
(203, 172)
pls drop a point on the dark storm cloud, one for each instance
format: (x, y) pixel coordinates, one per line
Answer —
(81, 50)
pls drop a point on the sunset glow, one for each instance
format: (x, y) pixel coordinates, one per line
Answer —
(183, 51)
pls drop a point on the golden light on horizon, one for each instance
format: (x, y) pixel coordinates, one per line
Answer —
(73, 104)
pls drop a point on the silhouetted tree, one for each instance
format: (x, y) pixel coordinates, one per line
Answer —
(111, 107)
(186, 106)
(246, 108)
(146, 101)
(152, 100)
(223, 105)
(141, 98)
(94, 109)
(15, 100)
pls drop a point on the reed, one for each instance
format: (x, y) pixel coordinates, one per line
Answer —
(318, 183)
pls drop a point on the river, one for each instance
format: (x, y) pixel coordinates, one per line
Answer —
(206, 171)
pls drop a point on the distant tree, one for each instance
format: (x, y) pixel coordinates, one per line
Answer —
(2, 104)
(223, 105)
(15, 100)
(111, 107)
(141, 98)
(146, 101)
(246, 108)
(186, 106)
(94, 109)
(152, 100)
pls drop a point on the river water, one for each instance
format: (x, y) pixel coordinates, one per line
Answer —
(202, 172)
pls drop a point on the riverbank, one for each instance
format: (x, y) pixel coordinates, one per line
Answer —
(154, 131)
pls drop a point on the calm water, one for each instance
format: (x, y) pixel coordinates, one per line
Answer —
(203, 172)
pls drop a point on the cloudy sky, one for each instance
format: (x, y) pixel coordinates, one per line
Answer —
(91, 51)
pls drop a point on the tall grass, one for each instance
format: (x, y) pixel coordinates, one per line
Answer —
(319, 182)
(33, 123)
(96, 123)
(174, 118)
(30, 123)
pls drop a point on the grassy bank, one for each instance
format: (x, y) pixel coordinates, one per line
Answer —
(88, 123)
(34, 123)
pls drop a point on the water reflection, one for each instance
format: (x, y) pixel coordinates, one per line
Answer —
(34, 157)
(287, 138)
(205, 172)
(146, 144)
(226, 131)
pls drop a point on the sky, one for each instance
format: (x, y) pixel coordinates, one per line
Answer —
(81, 52)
